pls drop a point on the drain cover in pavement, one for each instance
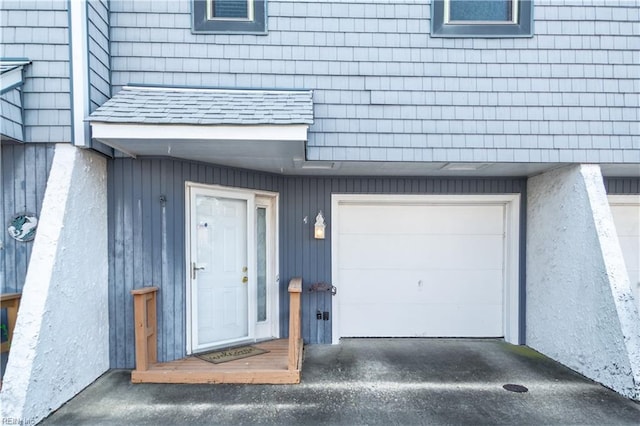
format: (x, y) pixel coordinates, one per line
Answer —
(515, 388)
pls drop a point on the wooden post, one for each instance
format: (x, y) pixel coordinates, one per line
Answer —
(10, 302)
(145, 322)
(295, 338)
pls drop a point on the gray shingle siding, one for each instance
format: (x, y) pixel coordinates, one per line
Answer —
(99, 56)
(385, 90)
(39, 30)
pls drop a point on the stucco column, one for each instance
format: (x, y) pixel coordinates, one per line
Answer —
(580, 310)
(61, 338)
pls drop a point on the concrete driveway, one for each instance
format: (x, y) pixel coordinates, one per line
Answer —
(371, 381)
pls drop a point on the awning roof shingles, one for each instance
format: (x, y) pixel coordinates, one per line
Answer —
(187, 106)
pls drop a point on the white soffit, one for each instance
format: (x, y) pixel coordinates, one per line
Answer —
(260, 147)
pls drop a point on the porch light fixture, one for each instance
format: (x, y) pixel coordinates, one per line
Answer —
(319, 227)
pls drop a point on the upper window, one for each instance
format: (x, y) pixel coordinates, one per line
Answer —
(230, 16)
(481, 18)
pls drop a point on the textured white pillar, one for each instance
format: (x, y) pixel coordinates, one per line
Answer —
(580, 311)
(61, 340)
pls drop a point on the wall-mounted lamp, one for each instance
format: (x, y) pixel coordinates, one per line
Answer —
(319, 227)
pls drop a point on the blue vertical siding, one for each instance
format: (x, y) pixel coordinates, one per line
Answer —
(146, 237)
(622, 186)
(302, 255)
(25, 169)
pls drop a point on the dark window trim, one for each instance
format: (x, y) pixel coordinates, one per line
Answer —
(200, 23)
(524, 27)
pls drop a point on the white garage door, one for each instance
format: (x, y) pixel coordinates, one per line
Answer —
(420, 270)
(626, 216)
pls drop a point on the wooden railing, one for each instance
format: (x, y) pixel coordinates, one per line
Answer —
(146, 335)
(295, 338)
(144, 310)
(10, 302)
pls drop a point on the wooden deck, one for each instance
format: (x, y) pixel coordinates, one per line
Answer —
(281, 365)
(268, 368)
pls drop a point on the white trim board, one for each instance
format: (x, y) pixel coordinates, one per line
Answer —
(511, 203)
(119, 133)
(79, 72)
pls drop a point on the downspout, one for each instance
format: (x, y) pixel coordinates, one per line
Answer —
(109, 31)
(78, 72)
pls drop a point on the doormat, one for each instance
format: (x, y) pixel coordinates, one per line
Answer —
(231, 354)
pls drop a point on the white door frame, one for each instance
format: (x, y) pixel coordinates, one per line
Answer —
(265, 199)
(272, 327)
(511, 203)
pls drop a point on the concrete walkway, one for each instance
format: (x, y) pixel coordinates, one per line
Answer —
(371, 381)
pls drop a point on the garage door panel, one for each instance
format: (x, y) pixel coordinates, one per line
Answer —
(420, 270)
(410, 219)
(429, 286)
(421, 320)
(421, 251)
(626, 218)
(629, 246)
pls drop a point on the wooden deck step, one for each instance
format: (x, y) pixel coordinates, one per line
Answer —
(267, 368)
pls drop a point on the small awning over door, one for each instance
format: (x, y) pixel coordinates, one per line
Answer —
(256, 129)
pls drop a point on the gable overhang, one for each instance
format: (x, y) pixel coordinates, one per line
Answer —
(267, 147)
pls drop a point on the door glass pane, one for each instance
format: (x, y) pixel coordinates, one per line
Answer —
(480, 10)
(261, 226)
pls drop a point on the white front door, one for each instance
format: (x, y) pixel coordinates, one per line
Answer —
(219, 268)
(231, 273)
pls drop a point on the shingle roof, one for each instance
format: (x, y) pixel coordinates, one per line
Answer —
(165, 105)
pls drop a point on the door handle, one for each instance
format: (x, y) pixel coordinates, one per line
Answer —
(195, 269)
